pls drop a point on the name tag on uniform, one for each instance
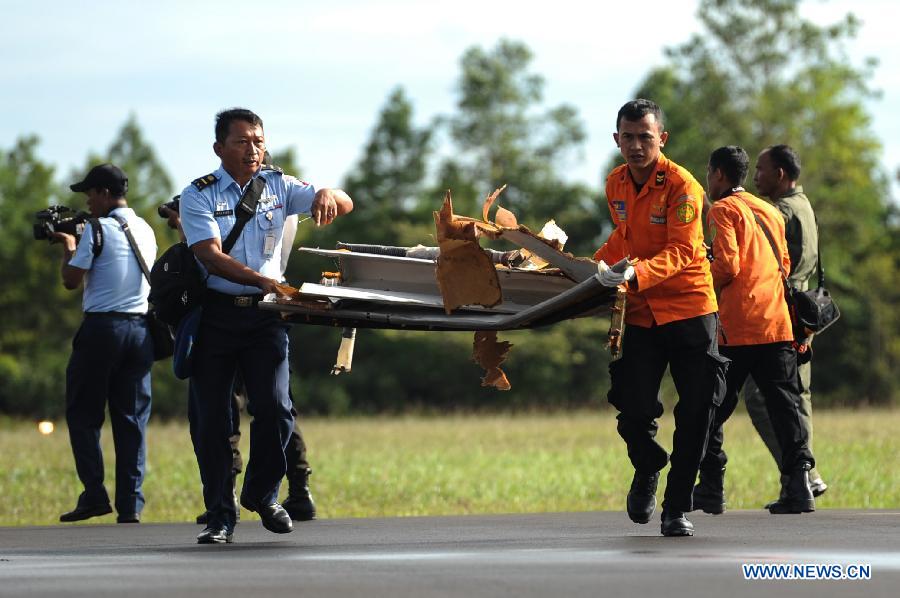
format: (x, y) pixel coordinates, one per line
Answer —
(269, 245)
(220, 213)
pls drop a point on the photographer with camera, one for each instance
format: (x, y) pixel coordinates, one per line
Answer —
(112, 352)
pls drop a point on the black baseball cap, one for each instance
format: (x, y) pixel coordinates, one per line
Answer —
(104, 176)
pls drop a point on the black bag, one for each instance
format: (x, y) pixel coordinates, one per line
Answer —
(815, 309)
(812, 311)
(177, 281)
(160, 332)
(177, 284)
(163, 339)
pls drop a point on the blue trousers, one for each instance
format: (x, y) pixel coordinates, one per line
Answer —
(110, 364)
(255, 343)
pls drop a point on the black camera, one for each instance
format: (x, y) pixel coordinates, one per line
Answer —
(59, 219)
(172, 205)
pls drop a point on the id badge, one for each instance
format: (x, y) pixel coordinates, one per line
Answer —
(269, 245)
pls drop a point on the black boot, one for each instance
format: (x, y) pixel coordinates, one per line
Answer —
(798, 496)
(641, 499)
(674, 523)
(782, 494)
(299, 502)
(709, 493)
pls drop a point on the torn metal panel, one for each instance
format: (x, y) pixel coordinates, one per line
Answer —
(578, 269)
(406, 298)
(369, 271)
(457, 286)
(587, 298)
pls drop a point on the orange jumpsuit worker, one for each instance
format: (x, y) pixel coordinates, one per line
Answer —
(756, 332)
(671, 315)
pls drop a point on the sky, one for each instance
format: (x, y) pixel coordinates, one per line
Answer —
(318, 73)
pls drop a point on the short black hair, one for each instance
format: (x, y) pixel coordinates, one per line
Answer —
(784, 157)
(226, 117)
(638, 109)
(733, 161)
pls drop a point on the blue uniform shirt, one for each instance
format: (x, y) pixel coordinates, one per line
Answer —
(210, 213)
(115, 281)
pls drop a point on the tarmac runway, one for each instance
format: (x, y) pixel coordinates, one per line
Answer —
(556, 555)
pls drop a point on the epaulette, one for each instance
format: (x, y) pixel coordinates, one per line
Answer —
(204, 181)
(273, 168)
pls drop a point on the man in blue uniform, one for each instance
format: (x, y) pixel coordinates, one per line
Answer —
(299, 504)
(112, 353)
(233, 335)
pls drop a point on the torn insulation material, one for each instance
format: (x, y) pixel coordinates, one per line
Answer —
(489, 353)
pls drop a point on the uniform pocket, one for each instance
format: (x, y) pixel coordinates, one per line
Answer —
(270, 219)
(717, 368)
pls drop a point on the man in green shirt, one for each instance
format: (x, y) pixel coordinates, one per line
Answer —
(777, 171)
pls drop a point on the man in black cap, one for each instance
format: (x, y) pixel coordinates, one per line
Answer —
(112, 352)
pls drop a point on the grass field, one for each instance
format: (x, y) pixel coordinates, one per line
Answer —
(406, 466)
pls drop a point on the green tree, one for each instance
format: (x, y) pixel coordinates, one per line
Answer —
(387, 183)
(47, 315)
(502, 134)
(36, 332)
(758, 75)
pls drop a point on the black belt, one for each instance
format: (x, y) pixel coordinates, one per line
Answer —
(113, 314)
(224, 299)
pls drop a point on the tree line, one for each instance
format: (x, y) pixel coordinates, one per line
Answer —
(758, 75)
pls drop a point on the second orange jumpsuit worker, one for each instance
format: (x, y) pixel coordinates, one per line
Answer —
(756, 330)
(671, 315)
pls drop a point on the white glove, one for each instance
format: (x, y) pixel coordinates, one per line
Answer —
(608, 278)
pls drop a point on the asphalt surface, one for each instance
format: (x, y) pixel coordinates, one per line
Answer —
(557, 555)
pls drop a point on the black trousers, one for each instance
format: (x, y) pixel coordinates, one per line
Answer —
(690, 350)
(774, 369)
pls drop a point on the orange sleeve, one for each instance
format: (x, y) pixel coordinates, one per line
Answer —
(614, 249)
(727, 263)
(684, 229)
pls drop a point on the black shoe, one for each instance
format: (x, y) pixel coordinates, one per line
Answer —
(300, 508)
(797, 496)
(80, 513)
(709, 493)
(299, 503)
(216, 535)
(674, 523)
(128, 518)
(641, 500)
(274, 517)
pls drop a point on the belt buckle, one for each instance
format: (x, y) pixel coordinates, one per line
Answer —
(243, 301)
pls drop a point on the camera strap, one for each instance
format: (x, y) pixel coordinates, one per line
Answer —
(96, 236)
(246, 208)
(134, 247)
